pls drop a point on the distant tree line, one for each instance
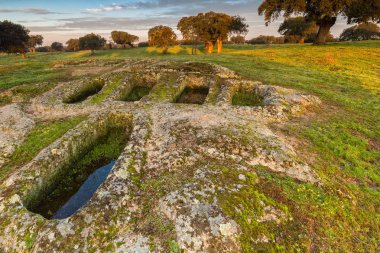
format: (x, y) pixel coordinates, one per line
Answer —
(313, 23)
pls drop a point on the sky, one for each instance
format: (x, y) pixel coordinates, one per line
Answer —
(65, 19)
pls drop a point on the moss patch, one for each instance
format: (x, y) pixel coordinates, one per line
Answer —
(5, 100)
(247, 99)
(166, 88)
(247, 205)
(107, 90)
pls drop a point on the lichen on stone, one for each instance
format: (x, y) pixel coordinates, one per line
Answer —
(188, 178)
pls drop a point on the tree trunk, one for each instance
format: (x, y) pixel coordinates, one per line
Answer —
(209, 47)
(324, 29)
(220, 45)
(193, 47)
(165, 49)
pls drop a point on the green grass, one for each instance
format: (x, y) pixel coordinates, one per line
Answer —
(36, 69)
(42, 135)
(342, 139)
(106, 91)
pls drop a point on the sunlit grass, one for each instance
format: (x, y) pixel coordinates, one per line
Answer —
(175, 50)
(79, 54)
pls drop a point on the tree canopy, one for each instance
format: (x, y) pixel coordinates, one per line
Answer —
(91, 42)
(162, 36)
(364, 31)
(13, 38)
(297, 27)
(238, 26)
(212, 27)
(324, 13)
(124, 38)
(73, 45)
(188, 27)
(56, 46)
(33, 41)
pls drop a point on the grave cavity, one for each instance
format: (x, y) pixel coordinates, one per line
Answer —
(195, 91)
(84, 91)
(136, 87)
(71, 185)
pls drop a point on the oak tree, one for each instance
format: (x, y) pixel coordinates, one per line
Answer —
(188, 27)
(212, 28)
(91, 42)
(124, 38)
(13, 38)
(162, 36)
(324, 13)
(72, 45)
(56, 46)
(364, 31)
(33, 41)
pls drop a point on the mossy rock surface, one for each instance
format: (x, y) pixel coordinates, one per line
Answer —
(187, 178)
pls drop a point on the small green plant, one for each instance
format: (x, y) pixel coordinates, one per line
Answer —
(85, 91)
(173, 246)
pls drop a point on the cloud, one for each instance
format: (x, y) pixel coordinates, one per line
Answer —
(112, 7)
(105, 23)
(178, 7)
(36, 11)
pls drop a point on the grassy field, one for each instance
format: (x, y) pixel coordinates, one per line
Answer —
(341, 140)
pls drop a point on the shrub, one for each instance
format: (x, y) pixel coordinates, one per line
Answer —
(43, 49)
(143, 44)
(266, 40)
